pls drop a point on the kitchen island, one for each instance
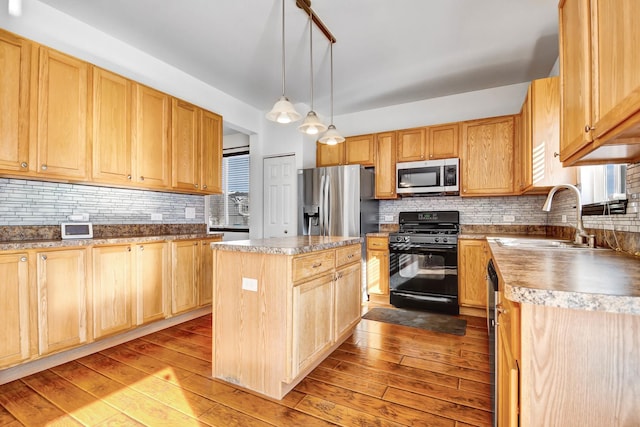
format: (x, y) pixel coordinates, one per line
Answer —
(281, 306)
(569, 336)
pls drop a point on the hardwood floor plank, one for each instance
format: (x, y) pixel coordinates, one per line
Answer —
(359, 383)
(170, 357)
(474, 386)
(341, 415)
(371, 353)
(190, 338)
(5, 417)
(165, 340)
(30, 408)
(119, 420)
(71, 399)
(220, 415)
(454, 371)
(378, 407)
(440, 407)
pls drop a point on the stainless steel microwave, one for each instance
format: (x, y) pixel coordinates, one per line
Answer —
(428, 176)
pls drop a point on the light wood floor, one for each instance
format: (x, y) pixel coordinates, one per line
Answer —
(384, 375)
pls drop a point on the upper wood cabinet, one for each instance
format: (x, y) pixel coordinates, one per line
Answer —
(15, 63)
(412, 145)
(487, 157)
(329, 155)
(151, 113)
(600, 98)
(359, 150)
(15, 309)
(385, 165)
(111, 128)
(61, 138)
(195, 134)
(443, 141)
(540, 166)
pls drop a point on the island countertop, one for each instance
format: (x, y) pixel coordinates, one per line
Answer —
(293, 245)
(585, 279)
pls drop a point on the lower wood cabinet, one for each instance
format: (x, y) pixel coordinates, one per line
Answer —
(348, 300)
(152, 279)
(473, 256)
(205, 283)
(508, 354)
(15, 331)
(378, 269)
(61, 278)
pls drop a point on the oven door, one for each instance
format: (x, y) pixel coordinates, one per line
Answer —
(424, 276)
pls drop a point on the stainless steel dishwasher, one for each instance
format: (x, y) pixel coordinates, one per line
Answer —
(492, 299)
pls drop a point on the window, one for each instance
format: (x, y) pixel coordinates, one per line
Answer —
(231, 208)
(603, 183)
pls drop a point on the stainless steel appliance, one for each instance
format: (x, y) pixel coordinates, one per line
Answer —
(337, 201)
(492, 324)
(423, 261)
(428, 177)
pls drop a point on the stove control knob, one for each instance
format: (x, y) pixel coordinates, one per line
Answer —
(437, 239)
(406, 238)
(444, 240)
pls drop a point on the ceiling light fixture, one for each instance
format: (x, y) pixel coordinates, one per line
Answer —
(283, 110)
(311, 124)
(331, 136)
(15, 7)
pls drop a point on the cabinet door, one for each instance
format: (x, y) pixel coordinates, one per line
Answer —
(205, 288)
(575, 76)
(329, 155)
(348, 299)
(184, 282)
(211, 158)
(185, 145)
(14, 308)
(523, 149)
(378, 272)
(358, 150)
(151, 143)
(487, 156)
(385, 169)
(111, 128)
(15, 63)
(443, 141)
(473, 257)
(152, 281)
(412, 145)
(312, 321)
(508, 383)
(62, 299)
(62, 143)
(112, 290)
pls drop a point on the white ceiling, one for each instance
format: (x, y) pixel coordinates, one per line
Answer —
(387, 52)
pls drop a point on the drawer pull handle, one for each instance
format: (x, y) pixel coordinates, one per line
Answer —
(349, 256)
(316, 265)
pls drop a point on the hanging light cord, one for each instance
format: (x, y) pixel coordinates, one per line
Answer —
(283, 61)
(331, 55)
(311, 53)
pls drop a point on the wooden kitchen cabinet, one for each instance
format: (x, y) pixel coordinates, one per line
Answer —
(508, 382)
(113, 292)
(211, 152)
(61, 282)
(348, 291)
(151, 281)
(111, 128)
(540, 166)
(185, 256)
(385, 165)
(151, 113)
(15, 63)
(359, 150)
(61, 123)
(473, 257)
(185, 145)
(15, 309)
(443, 141)
(205, 284)
(600, 99)
(329, 155)
(378, 269)
(412, 145)
(487, 157)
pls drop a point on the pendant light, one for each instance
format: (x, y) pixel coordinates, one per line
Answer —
(15, 8)
(283, 110)
(311, 124)
(331, 136)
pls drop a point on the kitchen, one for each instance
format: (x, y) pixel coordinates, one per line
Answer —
(495, 102)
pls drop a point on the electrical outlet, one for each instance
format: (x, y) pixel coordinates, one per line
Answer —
(156, 217)
(250, 284)
(388, 218)
(508, 218)
(189, 213)
(564, 218)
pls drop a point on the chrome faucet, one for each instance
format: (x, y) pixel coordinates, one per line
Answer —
(580, 231)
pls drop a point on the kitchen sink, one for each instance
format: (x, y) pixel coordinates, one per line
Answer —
(525, 243)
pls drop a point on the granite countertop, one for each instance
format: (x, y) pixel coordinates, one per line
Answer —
(293, 245)
(585, 279)
(17, 245)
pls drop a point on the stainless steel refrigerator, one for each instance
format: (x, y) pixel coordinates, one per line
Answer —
(337, 201)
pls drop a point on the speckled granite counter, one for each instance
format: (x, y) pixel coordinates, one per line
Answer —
(287, 245)
(18, 245)
(585, 279)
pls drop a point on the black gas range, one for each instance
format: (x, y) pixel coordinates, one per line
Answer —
(424, 261)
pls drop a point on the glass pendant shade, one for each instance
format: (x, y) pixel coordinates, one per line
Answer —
(283, 112)
(331, 136)
(15, 7)
(312, 124)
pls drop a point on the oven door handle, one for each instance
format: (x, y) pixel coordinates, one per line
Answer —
(422, 249)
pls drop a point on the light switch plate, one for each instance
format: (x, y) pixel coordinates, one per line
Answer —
(190, 213)
(156, 217)
(250, 284)
(508, 218)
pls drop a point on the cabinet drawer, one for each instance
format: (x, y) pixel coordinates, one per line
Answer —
(378, 243)
(307, 266)
(347, 255)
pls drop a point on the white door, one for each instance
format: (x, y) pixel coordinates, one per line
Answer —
(280, 200)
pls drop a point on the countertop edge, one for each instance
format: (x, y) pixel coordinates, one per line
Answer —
(261, 246)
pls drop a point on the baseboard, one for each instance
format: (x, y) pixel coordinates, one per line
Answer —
(474, 311)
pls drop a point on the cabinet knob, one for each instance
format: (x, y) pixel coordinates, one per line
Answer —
(588, 128)
(204, 186)
(142, 178)
(43, 167)
(141, 247)
(128, 176)
(196, 243)
(195, 185)
(556, 154)
(129, 249)
(286, 231)
(24, 165)
(44, 257)
(23, 259)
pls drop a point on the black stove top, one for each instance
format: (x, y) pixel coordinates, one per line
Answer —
(427, 227)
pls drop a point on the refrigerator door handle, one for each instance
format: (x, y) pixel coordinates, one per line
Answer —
(321, 212)
(327, 208)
